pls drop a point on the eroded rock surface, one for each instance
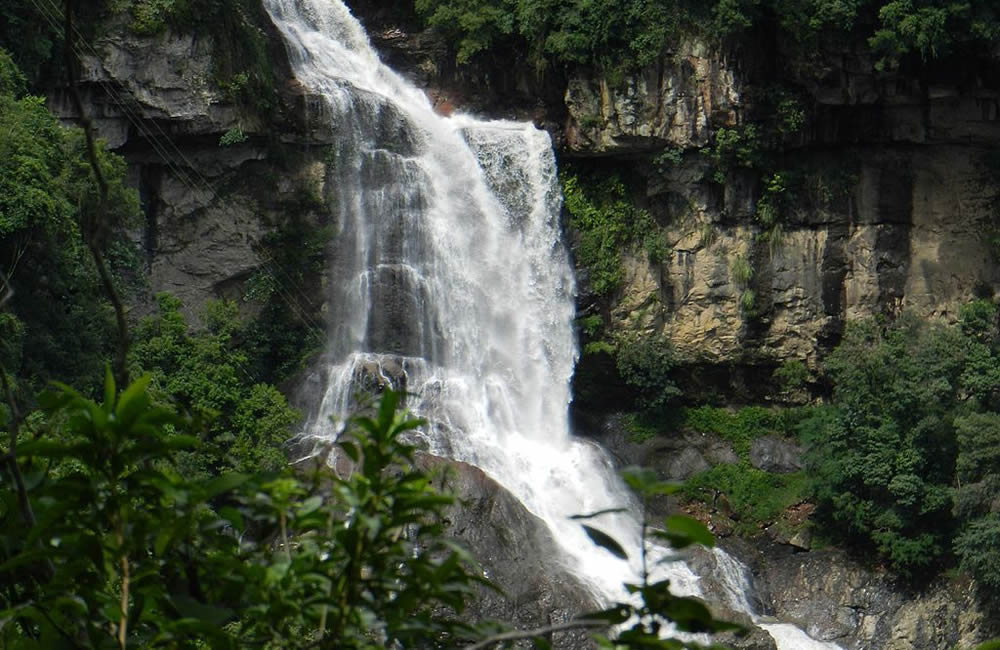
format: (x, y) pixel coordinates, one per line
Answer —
(516, 551)
(157, 101)
(836, 598)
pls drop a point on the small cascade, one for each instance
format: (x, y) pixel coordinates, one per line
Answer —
(737, 589)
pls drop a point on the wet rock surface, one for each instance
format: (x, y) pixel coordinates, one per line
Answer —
(834, 597)
(776, 455)
(516, 552)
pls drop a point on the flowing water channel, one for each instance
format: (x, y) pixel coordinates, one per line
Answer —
(450, 280)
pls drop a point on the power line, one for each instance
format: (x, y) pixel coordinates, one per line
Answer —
(162, 144)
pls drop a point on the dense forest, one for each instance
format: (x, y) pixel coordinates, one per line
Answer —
(161, 512)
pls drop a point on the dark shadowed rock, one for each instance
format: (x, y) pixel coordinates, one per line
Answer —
(752, 638)
(516, 552)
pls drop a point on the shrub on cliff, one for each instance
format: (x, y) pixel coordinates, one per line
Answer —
(58, 323)
(882, 457)
(906, 459)
(209, 372)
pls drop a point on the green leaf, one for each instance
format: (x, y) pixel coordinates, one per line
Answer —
(606, 511)
(224, 483)
(277, 571)
(605, 541)
(27, 557)
(210, 614)
(387, 409)
(682, 531)
(233, 516)
(133, 401)
(350, 449)
(162, 539)
(310, 505)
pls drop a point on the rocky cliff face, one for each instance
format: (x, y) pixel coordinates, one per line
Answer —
(208, 205)
(836, 598)
(896, 210)
(516, 552)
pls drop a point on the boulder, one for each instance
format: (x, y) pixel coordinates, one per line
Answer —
(776, 455)
(516, 552)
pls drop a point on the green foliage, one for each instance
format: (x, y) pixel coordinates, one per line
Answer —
(620, 37)
(742, 274)
(47, 202)
(757, 497)
(611, 36)
(669, 157)
(608, 222)
(591, 325)
(978, 472)
(772, 201)
(883, 455)
(33, 55)
(207, 372)
(645, 363)
(12, 81)
(121, 550)
(151, 17)
(978, 319)
(978, 550)
(792, 374)
(741, 426)
(735, 147)
(932, 28)
(234, 135)
(654, 608)
(907, 458)
(741, 271)
(475, 26)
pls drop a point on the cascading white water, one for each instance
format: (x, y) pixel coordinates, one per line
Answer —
(451, 282)
(735, 583)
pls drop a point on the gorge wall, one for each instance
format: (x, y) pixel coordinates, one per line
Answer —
(897, 213)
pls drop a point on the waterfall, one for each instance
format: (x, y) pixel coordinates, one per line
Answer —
(736, 586)
(451, 281)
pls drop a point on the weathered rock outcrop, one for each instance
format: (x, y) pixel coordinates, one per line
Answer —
(516, 552)
(674, 456)
(773, 454)
(676, 103)
(834, 597)
(157, 101)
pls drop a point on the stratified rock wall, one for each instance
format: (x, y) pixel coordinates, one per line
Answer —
(157, 101)
(897, 211)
